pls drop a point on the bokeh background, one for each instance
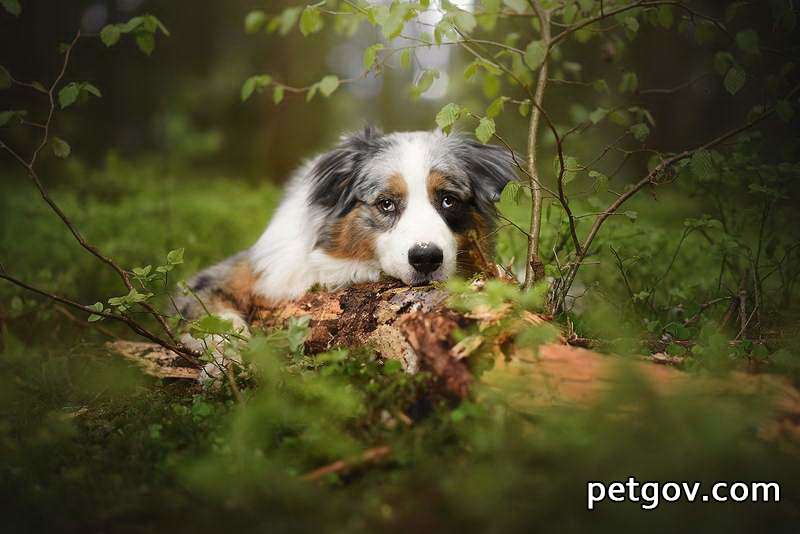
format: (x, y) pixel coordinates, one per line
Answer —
(171, 157)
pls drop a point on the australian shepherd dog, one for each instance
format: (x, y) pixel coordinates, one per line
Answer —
(409, 205)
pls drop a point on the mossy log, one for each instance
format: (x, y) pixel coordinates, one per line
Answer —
(416, 327)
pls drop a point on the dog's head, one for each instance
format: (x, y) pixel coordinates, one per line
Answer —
(408, 201)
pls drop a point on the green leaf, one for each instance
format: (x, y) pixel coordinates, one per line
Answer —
(535, 54)
(702, 164)
(485, 130)
(629, 83)
(131, 25)
(328, 85)
(722, 62)
(391, 367)
(424, 83)
(91, 89)
(598, 115)
(619, 117)
(12, 6)
(5, 78)
(405, 58)
(465, 20)
(68, 95)
(525, 108)
(600, 86)
(142, 271)
(288, 19)
(212, 324)
(520, 6)
(371, 54)
(98, 307)
(254, 21)
(665, 17)
(496, 107)
(110, 35)
(448, 116)
(277, 94)
(253, 84)
(312, 92)
(146, 43)
(784, 110)
(7, 116)
(392, 24)
(747, 41)
(471, 70)
(734, 80)
(60, 147)
(632, 25)
(310, 21)
(569, 13)
(175, 257)
(571, 167)
(600, 181)
(640, 131)
(491, 86)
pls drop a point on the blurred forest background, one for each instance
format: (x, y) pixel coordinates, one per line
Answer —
(170, 157)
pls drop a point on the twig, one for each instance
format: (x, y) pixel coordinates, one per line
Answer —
(29, 167)
(532, 257)
(373, 455)
(100, 328)
(185, 353)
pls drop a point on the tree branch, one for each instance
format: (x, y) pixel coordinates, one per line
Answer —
(532, 260)
(650, 178)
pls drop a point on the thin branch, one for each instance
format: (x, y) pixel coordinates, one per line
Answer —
(650, 179)
(185, 353)
(373, 455)
(533, 130)
(641, 4)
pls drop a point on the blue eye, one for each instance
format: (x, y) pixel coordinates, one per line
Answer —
(387, 205)
(449, 202)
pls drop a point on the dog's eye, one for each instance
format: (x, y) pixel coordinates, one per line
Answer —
(387, 205)
(449, 202)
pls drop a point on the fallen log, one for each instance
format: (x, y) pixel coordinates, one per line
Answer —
(417, 327)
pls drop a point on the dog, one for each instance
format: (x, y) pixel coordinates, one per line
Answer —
(415, 206)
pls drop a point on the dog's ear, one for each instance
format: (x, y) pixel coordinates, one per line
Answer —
(335, 173)
(489, 168)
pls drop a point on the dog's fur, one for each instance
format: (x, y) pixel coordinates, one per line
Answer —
(355, 212)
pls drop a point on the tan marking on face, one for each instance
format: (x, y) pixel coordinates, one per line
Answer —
(351, 239)
(396, 187)
(436, 182)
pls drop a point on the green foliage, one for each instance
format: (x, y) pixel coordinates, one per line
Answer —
(5, 78)
(72, 92)
(485, 130)
(143, 28)
(254, 84)
(535, 54)
(7, 118)
(12, 6)
(60, 147)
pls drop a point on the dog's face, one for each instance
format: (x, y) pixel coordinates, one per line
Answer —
(413, 203)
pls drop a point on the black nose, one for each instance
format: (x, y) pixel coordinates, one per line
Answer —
(425, 257)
